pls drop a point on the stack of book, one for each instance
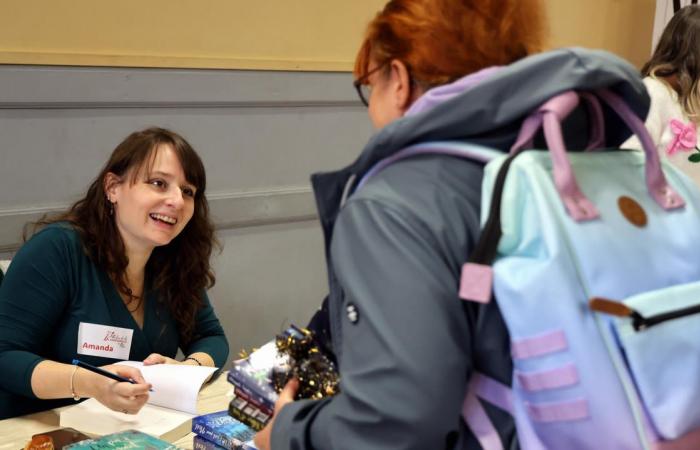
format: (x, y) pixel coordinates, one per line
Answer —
(219, 430)
(253, 393)
(258, 378)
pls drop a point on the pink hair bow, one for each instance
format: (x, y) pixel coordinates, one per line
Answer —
(684, 137)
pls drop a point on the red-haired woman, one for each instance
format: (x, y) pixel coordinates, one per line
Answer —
(121, 275)
(402, 337)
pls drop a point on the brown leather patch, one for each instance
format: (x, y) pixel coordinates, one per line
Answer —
(608, 306)
(632, 211)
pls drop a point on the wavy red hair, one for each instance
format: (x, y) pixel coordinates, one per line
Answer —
(443, 40)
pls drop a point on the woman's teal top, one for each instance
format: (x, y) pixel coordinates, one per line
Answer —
(50, 288)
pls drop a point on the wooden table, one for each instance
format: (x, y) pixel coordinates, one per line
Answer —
(18, 431)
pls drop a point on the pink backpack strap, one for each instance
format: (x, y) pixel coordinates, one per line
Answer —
(474, 414)
(480, 424)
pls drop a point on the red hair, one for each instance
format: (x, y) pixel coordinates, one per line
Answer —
(443, 40)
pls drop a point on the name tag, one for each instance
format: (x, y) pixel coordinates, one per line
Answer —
(103, 340)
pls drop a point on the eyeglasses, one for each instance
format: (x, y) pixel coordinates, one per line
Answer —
(363, 88)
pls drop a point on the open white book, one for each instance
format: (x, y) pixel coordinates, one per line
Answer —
(167, 415)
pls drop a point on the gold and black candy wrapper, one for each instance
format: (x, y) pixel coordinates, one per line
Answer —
(317, 375)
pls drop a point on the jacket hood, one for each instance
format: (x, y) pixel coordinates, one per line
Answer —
(490, 113)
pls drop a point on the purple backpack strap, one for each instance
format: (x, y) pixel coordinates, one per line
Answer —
(533, 123)
(482, 387)
(474, 414)
(462, 150)
(479, 423)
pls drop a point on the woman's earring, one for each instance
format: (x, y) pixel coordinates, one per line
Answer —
(110, 208)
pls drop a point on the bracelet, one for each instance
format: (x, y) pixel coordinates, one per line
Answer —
(192, 358)
(72, 386)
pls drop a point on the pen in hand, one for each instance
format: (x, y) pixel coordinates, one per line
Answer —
(103, 372)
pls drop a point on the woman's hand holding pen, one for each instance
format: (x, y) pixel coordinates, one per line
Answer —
(124, 397)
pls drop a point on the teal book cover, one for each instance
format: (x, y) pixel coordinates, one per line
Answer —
(130, 439)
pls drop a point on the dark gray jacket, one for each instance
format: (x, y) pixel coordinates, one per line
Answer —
(405, 343)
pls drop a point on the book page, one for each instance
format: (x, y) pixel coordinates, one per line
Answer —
(168, 413)
(93, 418)
(175, 386)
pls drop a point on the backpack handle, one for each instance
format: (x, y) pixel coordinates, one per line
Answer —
(553, 112)
(533, 123)
(658, 187)
(578, 206)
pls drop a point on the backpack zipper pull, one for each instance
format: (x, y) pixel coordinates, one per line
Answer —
(618, 309)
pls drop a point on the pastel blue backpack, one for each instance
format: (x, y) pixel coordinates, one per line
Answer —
(594, 260)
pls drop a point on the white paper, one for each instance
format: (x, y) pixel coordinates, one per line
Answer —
(172, 403)
(175, 386)
(95, 419)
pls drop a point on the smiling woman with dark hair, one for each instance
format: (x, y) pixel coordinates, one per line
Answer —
(121, 275)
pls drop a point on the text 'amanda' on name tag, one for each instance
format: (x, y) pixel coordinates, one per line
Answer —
(103, 340)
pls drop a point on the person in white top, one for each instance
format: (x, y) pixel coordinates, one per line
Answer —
(672, 77)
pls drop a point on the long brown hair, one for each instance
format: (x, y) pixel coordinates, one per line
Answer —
(676, 59)
(443, 40)
(179, 271)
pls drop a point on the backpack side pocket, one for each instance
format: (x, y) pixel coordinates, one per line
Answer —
(660, 340)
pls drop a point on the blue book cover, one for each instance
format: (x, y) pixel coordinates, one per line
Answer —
(223, 430)
(241, 400)
(123, 440)
(243, 389)
(253, 375)
(199, 443)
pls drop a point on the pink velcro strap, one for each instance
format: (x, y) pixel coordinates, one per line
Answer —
(689, 441)
(559, 411)
(550, 342)
(548, 379)
(479, 422)
(476, 282)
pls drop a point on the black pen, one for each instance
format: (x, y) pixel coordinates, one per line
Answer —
(103, 372)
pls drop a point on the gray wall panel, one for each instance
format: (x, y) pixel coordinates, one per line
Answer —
(260, 134)
(268, 277)
(242, 149)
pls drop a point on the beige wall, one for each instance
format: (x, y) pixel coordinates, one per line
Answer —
(621, 26)
(270, 34)
(273, 34)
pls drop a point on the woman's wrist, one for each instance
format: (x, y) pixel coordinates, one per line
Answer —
(192, 360)
(85, 383)
(73, 391)
(79, 383)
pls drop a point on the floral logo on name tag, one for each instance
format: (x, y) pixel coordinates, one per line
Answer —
(116, 338)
